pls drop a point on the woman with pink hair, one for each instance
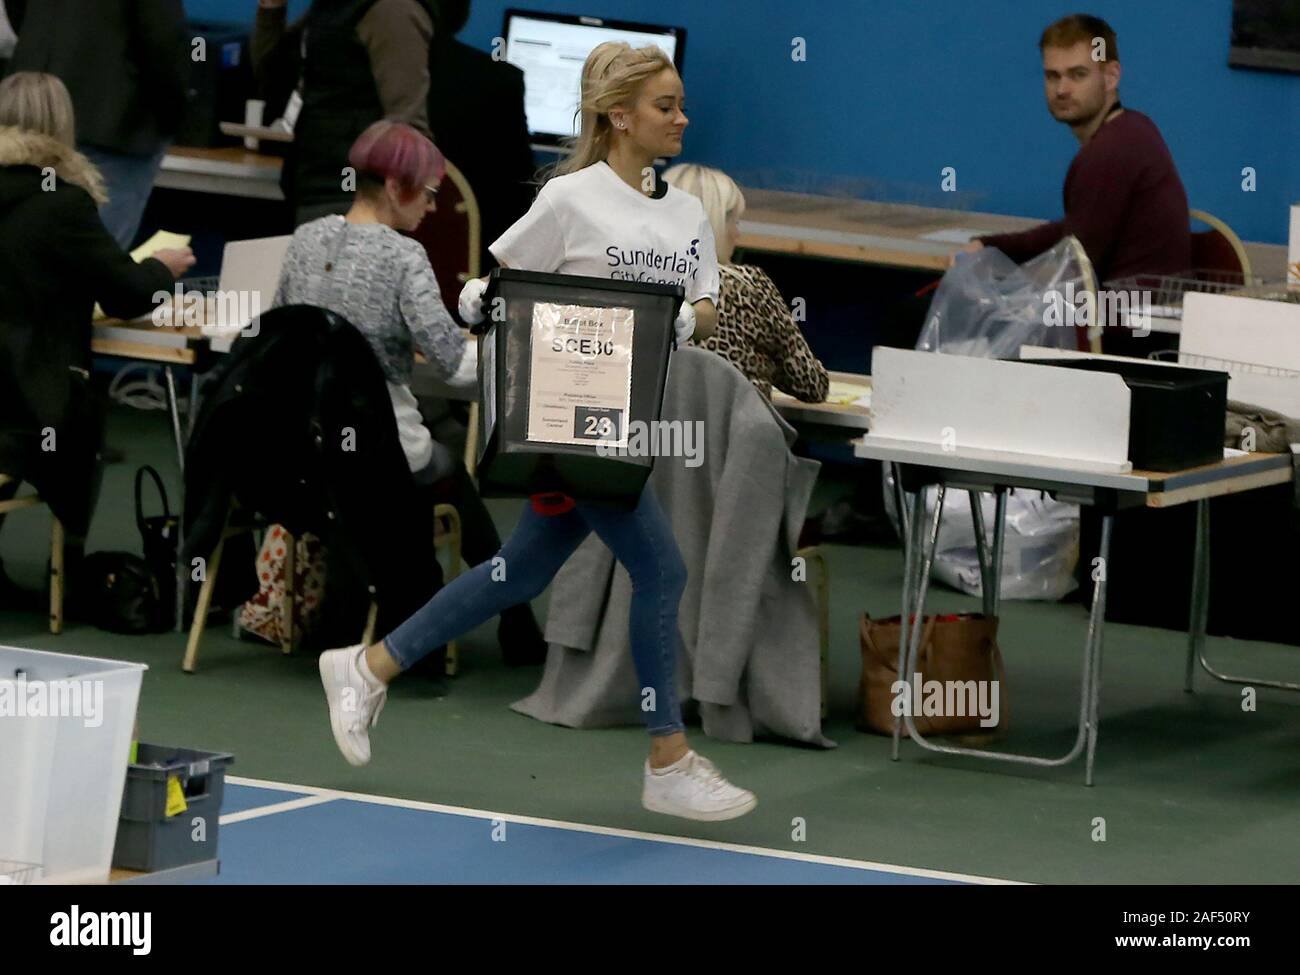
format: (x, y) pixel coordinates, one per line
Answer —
(361, 267)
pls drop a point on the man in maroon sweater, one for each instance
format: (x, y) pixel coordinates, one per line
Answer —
(1123, 198)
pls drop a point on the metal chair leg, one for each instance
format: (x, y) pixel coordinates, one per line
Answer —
(173, 407)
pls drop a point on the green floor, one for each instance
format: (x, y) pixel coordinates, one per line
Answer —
(1191, 788)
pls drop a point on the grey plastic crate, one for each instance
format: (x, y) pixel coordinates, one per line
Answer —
(149, 839)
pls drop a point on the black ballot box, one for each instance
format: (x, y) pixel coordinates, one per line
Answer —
(571, 376)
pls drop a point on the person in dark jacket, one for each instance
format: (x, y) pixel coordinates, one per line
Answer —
(476, 107)
(355, 62)
(56, 261)
(124, 63)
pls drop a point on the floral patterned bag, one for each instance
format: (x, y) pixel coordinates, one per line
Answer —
(266, 613)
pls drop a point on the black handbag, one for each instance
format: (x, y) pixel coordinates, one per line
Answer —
(159, 535)
(122, 594)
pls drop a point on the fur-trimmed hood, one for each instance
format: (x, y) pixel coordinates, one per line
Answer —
(18, 147)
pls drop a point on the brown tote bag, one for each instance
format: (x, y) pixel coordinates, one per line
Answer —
(960, 647)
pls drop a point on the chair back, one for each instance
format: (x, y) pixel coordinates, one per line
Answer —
(1218, 250)
(451, 235)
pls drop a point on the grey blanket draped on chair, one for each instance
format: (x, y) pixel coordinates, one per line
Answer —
(750, 652)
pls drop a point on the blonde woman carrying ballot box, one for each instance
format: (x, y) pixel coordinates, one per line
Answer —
(601, 214)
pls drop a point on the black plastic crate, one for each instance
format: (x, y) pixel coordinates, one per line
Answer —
(1177, 414)
(545, 433)
(147, 838)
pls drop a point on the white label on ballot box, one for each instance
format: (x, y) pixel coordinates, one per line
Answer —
(580, 377)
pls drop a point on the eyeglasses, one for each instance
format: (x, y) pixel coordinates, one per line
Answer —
(430, 192)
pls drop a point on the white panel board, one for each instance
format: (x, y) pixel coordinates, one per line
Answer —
(1012, 407)
(1242, 329)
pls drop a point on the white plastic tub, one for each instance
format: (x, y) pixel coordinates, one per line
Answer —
(65, 738)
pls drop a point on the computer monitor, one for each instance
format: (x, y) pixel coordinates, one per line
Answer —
(550, 49)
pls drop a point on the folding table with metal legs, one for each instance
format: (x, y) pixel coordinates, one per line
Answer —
(980, 471)
(919, 556)
(1201, 614)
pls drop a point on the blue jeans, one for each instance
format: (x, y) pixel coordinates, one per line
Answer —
(641, 539)
(130, 181)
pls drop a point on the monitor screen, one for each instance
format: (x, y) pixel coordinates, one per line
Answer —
(550, 50)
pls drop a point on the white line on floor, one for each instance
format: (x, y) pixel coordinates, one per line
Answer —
(287, 806)
(326, 795)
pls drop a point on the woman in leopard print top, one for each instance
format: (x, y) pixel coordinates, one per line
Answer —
(756, 331)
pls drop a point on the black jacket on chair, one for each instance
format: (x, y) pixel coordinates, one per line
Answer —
(296, 425)
(56, 261)
(125, 63)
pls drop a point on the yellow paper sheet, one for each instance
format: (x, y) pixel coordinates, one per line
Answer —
(843, 394)
(161, 241)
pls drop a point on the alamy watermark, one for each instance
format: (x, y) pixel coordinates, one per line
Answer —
(75, 928)
(947, 699)
(222, 310)
(66, 698)
(657, 438)
(1069, 307)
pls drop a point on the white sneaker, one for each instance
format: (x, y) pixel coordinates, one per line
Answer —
(694, 789)
(354, 701)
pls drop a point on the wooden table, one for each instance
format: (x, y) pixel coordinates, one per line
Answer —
(142, 340)
(893, 234)
(227, 172)
(847, 418)
(863, 231)
(776, 221)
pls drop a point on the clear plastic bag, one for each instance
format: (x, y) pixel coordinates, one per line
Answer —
(988, 306)
(1039, 551)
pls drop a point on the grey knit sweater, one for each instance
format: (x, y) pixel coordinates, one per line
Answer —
(379, 281)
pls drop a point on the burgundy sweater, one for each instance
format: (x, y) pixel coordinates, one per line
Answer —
(1123, 201)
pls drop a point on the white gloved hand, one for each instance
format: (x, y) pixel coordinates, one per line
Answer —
(685, 324)
(466, 375)
(471, 301)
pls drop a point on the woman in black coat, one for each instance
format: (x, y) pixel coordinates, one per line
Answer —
(56, 261)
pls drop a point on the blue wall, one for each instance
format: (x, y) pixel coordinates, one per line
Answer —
(893, 91)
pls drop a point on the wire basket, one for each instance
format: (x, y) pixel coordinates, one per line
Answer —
(16, 872)
(1168, 290)
(1272, 291)
(1233, 367)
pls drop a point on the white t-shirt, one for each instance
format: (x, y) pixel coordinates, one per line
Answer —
(591, 222)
